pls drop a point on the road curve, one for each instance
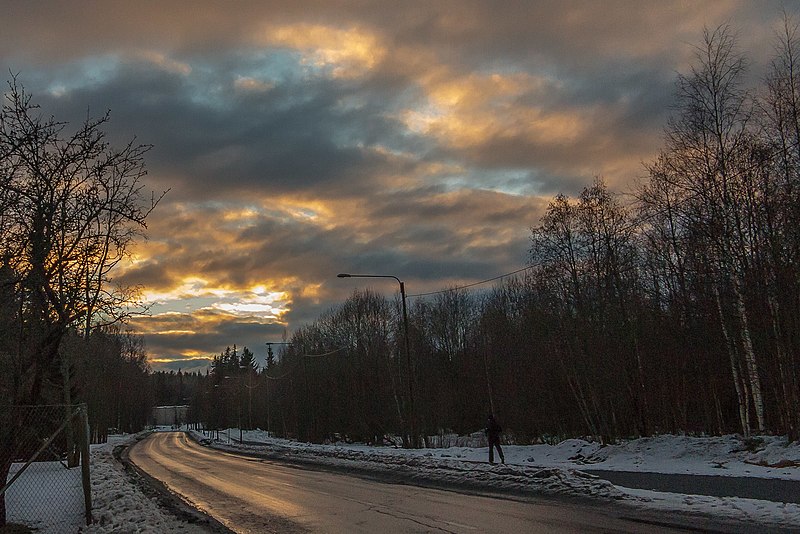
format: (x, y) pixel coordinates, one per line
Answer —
(253, 495)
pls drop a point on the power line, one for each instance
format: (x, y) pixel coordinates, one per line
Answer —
(334, 351)
(298, 360)
(633, 224)
(473, 284)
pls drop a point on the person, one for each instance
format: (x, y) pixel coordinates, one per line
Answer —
(492, 431)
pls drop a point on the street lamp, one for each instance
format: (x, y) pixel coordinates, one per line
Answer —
(250, 389)
(223, 386)
(405, 336)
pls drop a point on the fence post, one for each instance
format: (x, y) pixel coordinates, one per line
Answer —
(85, 475)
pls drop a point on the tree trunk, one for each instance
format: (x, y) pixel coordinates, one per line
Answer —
(72, 450)
(790, 389)
(732, 353)
(749, 357)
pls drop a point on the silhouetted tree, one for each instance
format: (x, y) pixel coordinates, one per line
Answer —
(72, 205)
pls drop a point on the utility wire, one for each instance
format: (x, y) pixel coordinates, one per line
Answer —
(334, 351)
(474, 283)
(299, 359)
(284, 375)
(633, 224)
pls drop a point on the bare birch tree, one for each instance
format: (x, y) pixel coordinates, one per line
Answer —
(708, 146)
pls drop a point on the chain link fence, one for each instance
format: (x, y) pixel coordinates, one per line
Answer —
(44, 455)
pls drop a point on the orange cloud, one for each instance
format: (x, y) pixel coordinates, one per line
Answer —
(466, 111)
(349, 53)
(163, 61)
(247, 83)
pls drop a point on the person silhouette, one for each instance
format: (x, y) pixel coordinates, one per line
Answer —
(492, 431)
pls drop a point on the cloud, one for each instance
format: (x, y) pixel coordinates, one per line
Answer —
(302, 139)
(202, 334)
(247, 83)
(164, 62)
(348, 53)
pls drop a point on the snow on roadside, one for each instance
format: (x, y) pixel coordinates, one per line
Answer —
(460, 466)
(49, 498)
(762, 457)
(766, 513)
(118, 504)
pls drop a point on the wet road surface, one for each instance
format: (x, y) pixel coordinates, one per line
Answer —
(254, 495)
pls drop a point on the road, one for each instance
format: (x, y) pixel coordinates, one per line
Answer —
(769, 489)
(254, 495)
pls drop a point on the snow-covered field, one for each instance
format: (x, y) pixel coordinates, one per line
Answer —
(120, 506)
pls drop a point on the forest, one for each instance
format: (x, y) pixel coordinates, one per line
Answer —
(672, 307)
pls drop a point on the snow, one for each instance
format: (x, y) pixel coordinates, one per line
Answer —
(770, 457)
(47, 497)
(557, 469)
(47, 500)
(120, 506)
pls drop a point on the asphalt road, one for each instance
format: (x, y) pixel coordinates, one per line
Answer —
(768, 489)
(253, 495)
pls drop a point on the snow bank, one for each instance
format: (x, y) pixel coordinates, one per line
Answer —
(49, 498)
(762, 457)
(453, 466)
(119, 505)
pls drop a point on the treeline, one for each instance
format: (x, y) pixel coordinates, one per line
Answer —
(174, 388)
(108, 370)
(678, 311)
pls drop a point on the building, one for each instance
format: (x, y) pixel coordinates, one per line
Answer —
(169, 415)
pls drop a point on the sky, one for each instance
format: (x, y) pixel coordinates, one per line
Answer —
(301, 139)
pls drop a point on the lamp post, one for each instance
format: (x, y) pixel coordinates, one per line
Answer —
(222, 386)
(249, 370)
(406, 344)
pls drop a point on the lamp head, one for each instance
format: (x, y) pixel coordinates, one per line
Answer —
(342, 275)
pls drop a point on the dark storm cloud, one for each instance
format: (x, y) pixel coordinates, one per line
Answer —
(224, 144)
(286, 138)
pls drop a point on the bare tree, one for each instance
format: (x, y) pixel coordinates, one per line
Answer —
(709, 146)
(72, 207)
(780, 222)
